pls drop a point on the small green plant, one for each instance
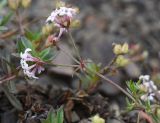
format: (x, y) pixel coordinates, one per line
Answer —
(54, 117)
(146, 95)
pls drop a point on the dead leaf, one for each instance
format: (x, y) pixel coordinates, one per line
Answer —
(145, 116)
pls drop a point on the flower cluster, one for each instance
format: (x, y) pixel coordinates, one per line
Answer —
(62, 17)
(36, 65)
(121, 49)
(148, 87)
(15, 4)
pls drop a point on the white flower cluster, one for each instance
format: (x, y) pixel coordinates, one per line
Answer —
(35, 67)
(62, 11)
(61, 17)
(149, 87)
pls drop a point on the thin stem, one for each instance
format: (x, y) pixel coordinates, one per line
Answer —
(19, 19)
(62, 65)
(138, 118)
(7, 79)
(117, 86)
(74, 45)
(106, 68)
(14, 31)
(69, 55)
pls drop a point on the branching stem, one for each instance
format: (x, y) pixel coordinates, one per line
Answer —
(74, 59)
(61, 65)
(74, 45)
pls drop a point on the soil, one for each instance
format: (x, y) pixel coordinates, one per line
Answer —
(103, 22)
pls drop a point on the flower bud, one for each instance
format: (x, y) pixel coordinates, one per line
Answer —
(60, 4)
(26, 3)
(47, 29)
(75, 24)
(125, 48)
(51, 40)
(13, 4)
(117, 49)
(97, 119)
(121, 61)
(76, 9)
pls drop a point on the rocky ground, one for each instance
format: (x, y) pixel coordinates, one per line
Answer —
(103, 22)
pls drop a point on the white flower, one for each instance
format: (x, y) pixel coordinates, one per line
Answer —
(150, 97)
(144, 78)
(147, 83)
(62, 11)
(61, 18)
(35, 67)
(149, 87)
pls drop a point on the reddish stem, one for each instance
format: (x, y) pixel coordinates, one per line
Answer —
(7, 79)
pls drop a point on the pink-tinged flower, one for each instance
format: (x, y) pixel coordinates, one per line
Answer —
(149, 88)
(148, 84)
(36, 66)
(150, 97)
(62, 18)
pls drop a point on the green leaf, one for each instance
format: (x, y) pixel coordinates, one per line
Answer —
(20, 46)
(23, 44)
(156, 118)
(26, 43)
(32, 36)
(13, 100)
(44, 53)
(50, 117)
(133, 87)
(148, 105)
(11, 66)
(90, 79)
(48, 54)
(48, 57)
(93, 67)
(6, 19)
(130, 105)
(60, 115)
